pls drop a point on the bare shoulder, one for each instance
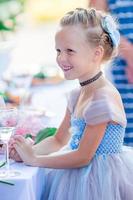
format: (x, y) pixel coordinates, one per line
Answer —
(108, 92)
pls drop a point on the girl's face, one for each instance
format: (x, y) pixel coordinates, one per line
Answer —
(74, 54)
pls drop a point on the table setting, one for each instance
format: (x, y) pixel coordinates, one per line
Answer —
(16, 179)
(40, 111)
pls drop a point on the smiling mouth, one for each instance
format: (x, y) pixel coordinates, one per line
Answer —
(67, 69)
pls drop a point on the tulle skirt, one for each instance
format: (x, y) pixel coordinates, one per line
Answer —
(105, 177)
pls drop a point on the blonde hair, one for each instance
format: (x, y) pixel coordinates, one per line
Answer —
(90, 19)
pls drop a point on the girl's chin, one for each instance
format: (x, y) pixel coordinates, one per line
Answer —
(69, 76)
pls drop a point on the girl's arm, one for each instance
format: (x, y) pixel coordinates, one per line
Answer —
(73, 159)
(54, 143)
(49, 145)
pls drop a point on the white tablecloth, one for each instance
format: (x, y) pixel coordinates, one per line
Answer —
(28, 186)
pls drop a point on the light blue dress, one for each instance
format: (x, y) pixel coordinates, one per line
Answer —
(109, 175)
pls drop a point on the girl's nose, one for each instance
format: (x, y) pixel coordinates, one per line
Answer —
(62, 57)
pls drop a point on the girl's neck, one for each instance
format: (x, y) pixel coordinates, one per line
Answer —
(99, 83)
(91, 73)
(91, 80)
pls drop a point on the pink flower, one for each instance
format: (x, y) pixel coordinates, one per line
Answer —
(10, 122)
(29, 125)
(7, 121)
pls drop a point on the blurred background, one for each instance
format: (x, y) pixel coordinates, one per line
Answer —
(29, 75)
(27, 29)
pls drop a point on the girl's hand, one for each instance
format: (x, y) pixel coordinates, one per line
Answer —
(13, 154)
(12, 151)
(2, 148)
(24, 149)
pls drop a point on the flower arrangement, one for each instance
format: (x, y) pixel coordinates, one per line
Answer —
(29, 124)
(33, 127)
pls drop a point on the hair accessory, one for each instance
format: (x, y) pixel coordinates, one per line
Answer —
(91, 80)
(109, 27)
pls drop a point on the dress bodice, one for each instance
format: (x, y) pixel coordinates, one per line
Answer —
(111, 143)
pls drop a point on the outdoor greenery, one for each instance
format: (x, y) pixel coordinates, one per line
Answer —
(9, 10)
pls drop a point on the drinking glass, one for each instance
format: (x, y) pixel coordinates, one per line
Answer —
(8, 122)
(20, 85)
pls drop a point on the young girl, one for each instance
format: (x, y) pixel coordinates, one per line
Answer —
(86, 155)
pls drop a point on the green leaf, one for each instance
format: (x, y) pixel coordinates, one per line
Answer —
(6, 182)
(28, 135)
(40, 75)
(44, 133)
(4, 27)
(1, 181)
(2, 164)
(5, 96)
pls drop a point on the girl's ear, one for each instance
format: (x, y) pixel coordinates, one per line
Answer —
(98, 54)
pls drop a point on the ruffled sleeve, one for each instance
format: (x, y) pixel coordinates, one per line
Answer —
(72, 98)
(105, 109)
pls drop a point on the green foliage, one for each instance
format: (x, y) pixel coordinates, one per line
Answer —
(4, 1)
(28, 136)
(4, 27)
(5, 96)
(2, 164)
(9, 10)
(44, 133)
(40, 75)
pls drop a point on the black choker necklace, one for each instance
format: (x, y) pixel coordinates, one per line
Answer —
(91, 80)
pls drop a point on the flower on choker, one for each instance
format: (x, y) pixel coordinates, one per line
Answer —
(109, 27)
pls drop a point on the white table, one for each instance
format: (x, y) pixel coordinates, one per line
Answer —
(28, 186)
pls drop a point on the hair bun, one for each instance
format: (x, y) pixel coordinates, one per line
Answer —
(110, 28)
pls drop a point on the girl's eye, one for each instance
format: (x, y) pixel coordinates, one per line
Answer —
(70, 51)
(58, 51)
